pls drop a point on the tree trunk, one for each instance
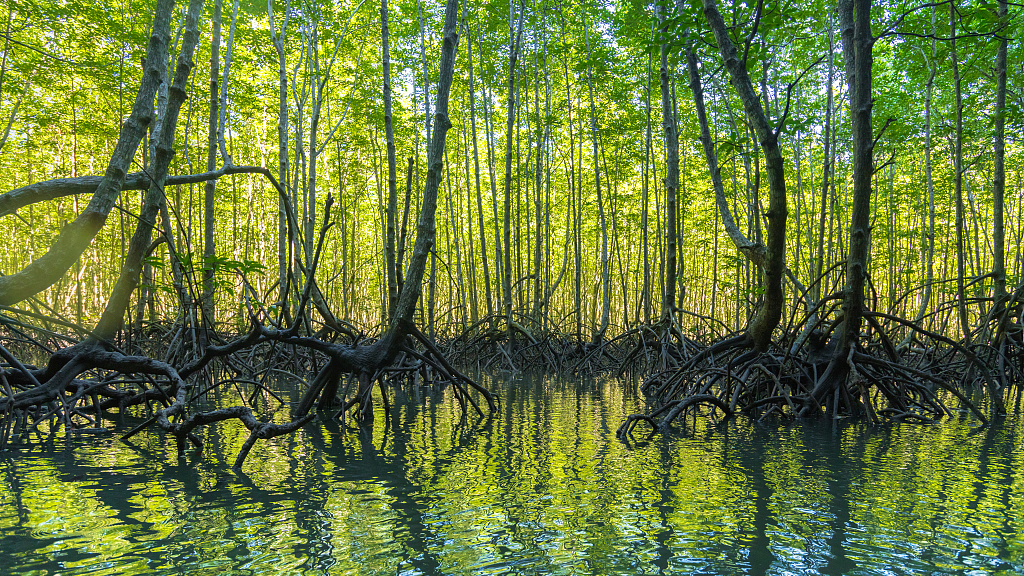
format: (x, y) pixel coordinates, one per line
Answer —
(671, 181)
(857, 40)
(112, 319)
(538, 202)
(514, 44)
(476, 168)
(768, 315)
(645, 201)
(818, 267)
(606, 293)
(209, 218)
(392, 208)
(76, 236)
(958, 182)
(998, 168)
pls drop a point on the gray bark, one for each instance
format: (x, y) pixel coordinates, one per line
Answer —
(112, 319)
(75, 237)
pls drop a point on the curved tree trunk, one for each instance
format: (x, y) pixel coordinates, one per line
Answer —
(75, 237)
(112, 319)
(769, 314)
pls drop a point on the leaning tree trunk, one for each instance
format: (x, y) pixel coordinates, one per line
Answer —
(769, 313)
(112, 318)
(75, 237)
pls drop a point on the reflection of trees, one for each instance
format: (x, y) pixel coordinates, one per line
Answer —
(542, 488)
(747, 454)
(838, 482)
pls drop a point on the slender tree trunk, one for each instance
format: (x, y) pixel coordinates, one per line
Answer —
(574, 200)
(474, 307)
(476, 168)
(426, 78)
(392, 209)
(283, 244)
(606, 293)
(313, 65)
(671, 181)
(400, 258)
(958, 182)
(538, 202)
(499, 262)
(514, 45)
(454, 231)
(645, 197)
(998, 168)
(209, 189)
(826, 177)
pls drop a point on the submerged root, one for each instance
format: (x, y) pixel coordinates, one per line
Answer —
(807, 376)
(81, 384)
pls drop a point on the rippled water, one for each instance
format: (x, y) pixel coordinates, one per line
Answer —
(543, 487)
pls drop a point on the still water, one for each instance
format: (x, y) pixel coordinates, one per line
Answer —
(542, 487)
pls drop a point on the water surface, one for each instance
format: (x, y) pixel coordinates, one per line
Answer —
(541, 487)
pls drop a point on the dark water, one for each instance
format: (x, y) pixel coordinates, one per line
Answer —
(542, 488)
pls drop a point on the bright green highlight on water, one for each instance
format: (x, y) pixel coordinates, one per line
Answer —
(543, 487)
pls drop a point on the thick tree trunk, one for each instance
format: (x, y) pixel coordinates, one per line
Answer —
(855, 33)
(112, 319)
(75, 237)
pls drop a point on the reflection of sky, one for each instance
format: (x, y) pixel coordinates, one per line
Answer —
(542, 488)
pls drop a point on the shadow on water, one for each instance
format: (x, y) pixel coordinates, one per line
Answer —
(540, 487)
